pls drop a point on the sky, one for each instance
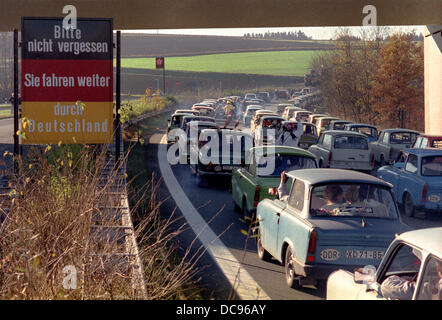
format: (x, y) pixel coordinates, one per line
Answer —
(317, 33)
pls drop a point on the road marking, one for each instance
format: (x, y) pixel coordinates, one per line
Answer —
(245, 286)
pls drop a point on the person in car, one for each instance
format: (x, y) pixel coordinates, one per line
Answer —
(334, 197)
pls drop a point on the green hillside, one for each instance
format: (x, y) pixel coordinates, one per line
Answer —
(276, 63)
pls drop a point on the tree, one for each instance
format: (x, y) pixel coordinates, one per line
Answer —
(398, 83)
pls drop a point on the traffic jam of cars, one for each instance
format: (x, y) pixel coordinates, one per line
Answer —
(325, 197)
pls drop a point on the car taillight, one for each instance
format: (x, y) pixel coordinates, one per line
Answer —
(256, 198)
(372, 160)
(424, 193)
(312, 243)
(329, 158)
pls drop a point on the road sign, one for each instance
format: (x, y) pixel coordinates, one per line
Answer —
(67, 81)
(159, 62)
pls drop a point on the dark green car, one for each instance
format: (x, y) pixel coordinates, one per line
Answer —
(251, 183)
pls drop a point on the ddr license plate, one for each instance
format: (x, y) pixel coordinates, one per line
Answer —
(364, 254)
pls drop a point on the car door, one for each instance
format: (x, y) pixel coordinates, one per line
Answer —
(245, 183)
(409, 181)
(315, 148)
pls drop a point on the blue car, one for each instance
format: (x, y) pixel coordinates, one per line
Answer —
(417, 178)
(370, 131)
(332, 219)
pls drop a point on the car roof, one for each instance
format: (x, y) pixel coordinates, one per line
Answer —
(425, 151)
(340, 120)
(343, 132)
(429, 239)
(317, 176)
(269, 116)
(202, 106)
(283, 150)
(254, 106)
(362, 125)
(399, 130)
(431, 135)
(328, 117)
(265, 111)
(202, 122)
(230, 131)
(199, 117)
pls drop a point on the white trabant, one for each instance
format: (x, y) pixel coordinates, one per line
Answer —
(409, 270)
(343, 150)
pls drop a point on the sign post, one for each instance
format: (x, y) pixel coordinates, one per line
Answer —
(67, 81)
(159, 62)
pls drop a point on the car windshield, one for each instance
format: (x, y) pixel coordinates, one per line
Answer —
(309, 129)
(339, 125)
(402, 137)
(273, 166)
(351, 142)
(352, 200)
(432, 166)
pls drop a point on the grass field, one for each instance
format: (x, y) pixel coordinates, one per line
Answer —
(275, 63)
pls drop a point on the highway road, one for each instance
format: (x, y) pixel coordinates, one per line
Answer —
(214, 205)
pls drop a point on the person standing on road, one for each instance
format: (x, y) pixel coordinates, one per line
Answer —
(289, 136)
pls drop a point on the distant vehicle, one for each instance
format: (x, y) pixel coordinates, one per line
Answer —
(250, 96)
(322, 123)
(414, 254)
(204, 110)
(314, 116)
(428, 141)
(249, 102)
(302, 115)
(174, 123)
(329, 222)
(250, 112)
(186, 119)
(257, 117)
(221, 161)
(250, 183)
(193, 130)
(391, 142)
(265, 96)
(281, 94)
(266, 123)
(289, 111)
(417, 180)
(307, 90)
(338, 124)
(370, 131)
(280, 108)
(344, 150)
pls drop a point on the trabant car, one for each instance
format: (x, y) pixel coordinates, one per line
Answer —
(250, 112)
(338, 124)
(219, 152)
(301, 115)
(344, 150)
(266, 123)
(417, 179)
(289, 111)
(313, 117)
(428, 141)
(323, 123)
(193, 130)
(174, 123)
(186, 119)
(416, 255)
(390, 143)
(204, 110)
(280, 107)
(265, 96)
(256, 118)
(370, 131)
(262, 170)
(332, 219)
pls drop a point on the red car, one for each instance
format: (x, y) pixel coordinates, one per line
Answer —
(428, 141)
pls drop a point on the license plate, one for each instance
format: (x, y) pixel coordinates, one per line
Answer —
(364, 254)
(227, 167)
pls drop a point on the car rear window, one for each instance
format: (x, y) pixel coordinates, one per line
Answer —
(351, 142)
(436, 144)
(402, 137)
(432, 166)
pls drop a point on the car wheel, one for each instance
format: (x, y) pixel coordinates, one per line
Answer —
(262, 253)
(408, 206)
(290, 275)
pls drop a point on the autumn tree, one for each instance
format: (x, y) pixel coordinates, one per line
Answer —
(398, 83)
